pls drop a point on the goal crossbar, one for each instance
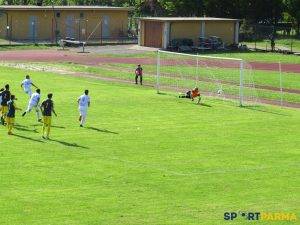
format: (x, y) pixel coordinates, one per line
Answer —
(200, 56)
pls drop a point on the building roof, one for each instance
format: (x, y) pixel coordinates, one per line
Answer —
(34, 7)
(170, 19)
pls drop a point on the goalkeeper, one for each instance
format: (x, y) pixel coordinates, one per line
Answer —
(192, 94)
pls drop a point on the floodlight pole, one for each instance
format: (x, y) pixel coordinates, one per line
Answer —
(241, 83)
(157, 71)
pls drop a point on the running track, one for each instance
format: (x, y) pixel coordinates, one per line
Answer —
(90, 59)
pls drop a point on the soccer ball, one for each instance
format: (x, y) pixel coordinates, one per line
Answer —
(219, 91)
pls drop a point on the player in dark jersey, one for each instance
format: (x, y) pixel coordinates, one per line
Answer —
(10, 117)
(139, 74)
(5, 96)
(47, 108)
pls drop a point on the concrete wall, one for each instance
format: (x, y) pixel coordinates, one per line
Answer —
(191, 30)
(22, 28)
(142, 33)
(226, 30)
(222, 29)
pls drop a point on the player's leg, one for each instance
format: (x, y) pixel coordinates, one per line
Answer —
(48, 127)
(38, 113)
(141, 79)
(4, 114)
(80, 117)
(29, 108)
(28, 92)
(199, 99)
(83, 114)
(44, 126)
(136, 79)
(10, 123)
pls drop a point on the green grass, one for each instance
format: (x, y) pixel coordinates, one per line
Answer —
(285, 43)
(147, 159)
(249, 56)
(7, 47)
(268, 78)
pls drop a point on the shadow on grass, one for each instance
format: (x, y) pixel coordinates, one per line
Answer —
(60, 127)
(101, 130)
(19, 125)
(23, 128)
(205, 104)
(41, 124)
(74, 145)
(28, 138)
(259, 109)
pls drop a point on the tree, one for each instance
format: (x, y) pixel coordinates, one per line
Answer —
(224, 8)
(293, 8)
(264, 12)
(183, 7)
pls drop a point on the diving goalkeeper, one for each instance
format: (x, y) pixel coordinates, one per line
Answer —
(192, 94)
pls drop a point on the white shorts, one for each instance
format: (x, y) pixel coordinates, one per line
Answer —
(28, 91)
(32, 105)
(82, 111)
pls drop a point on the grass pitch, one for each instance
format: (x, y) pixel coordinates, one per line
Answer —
(145, 158)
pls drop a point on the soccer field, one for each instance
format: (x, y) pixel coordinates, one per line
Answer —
(145, 158)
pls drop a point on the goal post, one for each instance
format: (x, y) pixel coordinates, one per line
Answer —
(220, 77)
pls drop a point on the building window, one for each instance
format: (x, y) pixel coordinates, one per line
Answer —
(58, 14)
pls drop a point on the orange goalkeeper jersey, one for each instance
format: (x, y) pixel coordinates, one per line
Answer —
(195, 93)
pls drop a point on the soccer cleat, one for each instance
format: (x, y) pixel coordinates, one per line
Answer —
(43, 137)
(81, 125)
(9, 133)
(24, 113)
(40, 120)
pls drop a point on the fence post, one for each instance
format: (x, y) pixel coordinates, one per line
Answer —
(157, 72)
(280, 83)
(241, 83)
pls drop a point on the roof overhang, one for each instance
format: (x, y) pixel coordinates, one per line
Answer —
(45, 8)
(185, 19)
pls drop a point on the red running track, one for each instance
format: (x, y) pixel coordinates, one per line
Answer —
(91, 59)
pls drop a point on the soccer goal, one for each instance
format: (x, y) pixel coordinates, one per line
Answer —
(219, 77)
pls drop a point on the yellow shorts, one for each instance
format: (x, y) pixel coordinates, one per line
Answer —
(47, 120)
(10, 120)
(4, 109)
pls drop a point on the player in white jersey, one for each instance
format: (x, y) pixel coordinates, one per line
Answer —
(2, 89)
(34, 103)
(26, 85)
(83, 104)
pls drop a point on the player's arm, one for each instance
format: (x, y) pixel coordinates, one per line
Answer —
(22, 85)
(42, 107)
(34, 85)
(17, 108)
(53, 110)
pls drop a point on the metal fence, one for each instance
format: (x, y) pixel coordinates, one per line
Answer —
(261, 37)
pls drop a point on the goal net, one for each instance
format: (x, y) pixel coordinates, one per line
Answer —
(218, 77)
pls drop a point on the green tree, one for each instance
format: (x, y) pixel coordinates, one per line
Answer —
(293, 8)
